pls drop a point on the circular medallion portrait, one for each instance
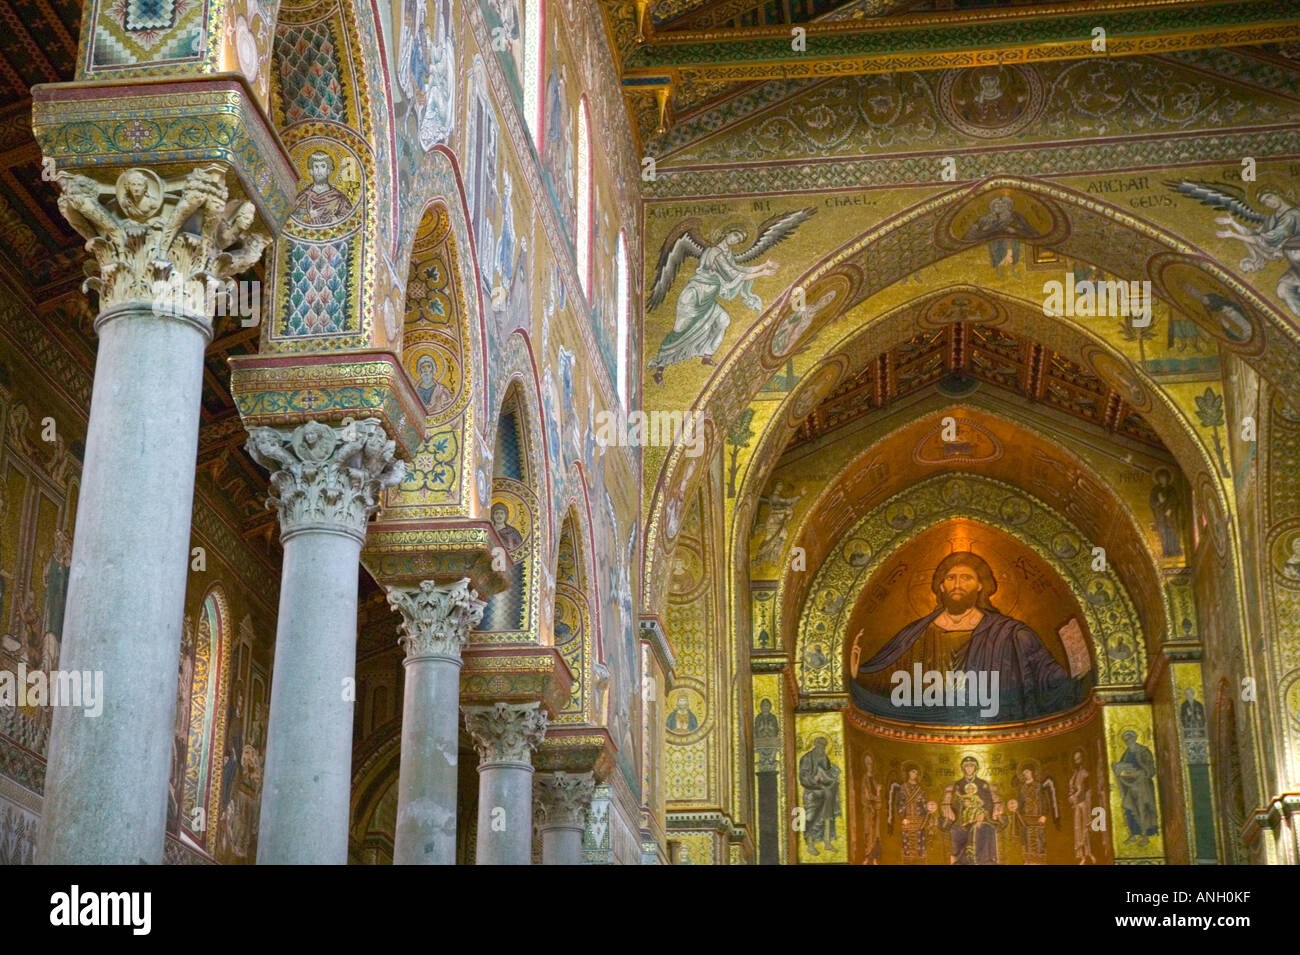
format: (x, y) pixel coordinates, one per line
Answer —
(991, 102)
(1286, 558)
(139, 194)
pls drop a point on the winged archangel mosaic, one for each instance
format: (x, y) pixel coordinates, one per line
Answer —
(722, 274)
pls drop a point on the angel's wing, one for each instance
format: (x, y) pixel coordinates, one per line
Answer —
(1218, 196)
(772, 231)
(893, 788)
(682, 242)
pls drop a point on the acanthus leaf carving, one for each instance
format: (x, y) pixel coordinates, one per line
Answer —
(436, 618)
(144, 245)
(324, 476)
(562, 799)
(506, 732)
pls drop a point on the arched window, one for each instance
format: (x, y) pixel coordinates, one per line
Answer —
(534, 42)
(195, 753)
(620, 266)
(582, 237)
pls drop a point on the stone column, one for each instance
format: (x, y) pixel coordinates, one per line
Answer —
(325, 482)
(106, 781)
(436, 621)
(506, 735)
(560, 805)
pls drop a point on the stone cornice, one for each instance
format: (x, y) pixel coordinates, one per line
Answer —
(655, 635)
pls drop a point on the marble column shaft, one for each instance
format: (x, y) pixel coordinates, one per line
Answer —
(560, 805)
(107, 776)
(325, 482)
(436, 621)
(506, 735)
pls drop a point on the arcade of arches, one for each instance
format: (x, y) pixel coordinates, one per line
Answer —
(613, 431)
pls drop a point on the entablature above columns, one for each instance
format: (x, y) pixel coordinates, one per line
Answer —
(655, 635)
(282, 391)
(170, 126)
(514, 674)
(576, 749)
(443, 551)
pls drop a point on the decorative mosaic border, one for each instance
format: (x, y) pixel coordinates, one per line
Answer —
(84, 126)
(812, 176)
(283, 391)
(842, 49)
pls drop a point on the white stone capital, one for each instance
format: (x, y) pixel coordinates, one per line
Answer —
(506, 732)
(325, 477)
(166, 245)
(436, 618)
(562, 799)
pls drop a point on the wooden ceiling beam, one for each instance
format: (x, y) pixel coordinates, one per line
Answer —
(1034, 33)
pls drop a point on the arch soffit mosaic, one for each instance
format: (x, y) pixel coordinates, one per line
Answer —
(1100, 516)
(860, 344)
(332, 97)
(438, 328)
(911, 240)
(447, 193)
(848, 354)
(576, 586)
(825, 616)
(520, 390)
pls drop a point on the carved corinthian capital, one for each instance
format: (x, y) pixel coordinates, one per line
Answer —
(562, 799)
(170, 245)
(326, 478)
(506, 732)
(436, 619)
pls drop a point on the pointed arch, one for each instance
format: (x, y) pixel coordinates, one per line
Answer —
(437, 352)
(574, 623)
(1111, 523)
(520, 507)
(200, 730)
(922, 235)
